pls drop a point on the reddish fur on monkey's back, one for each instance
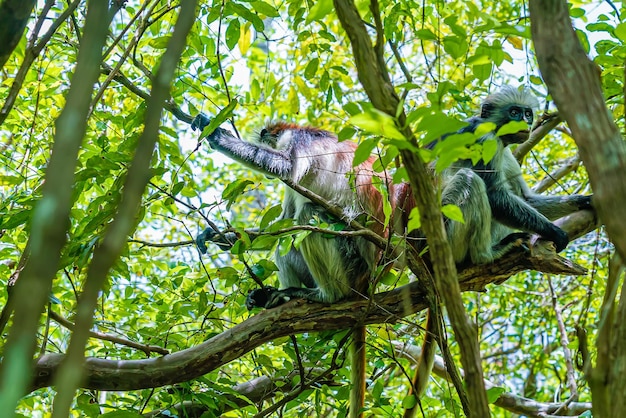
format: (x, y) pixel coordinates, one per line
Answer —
(276, 128)
(367, 194)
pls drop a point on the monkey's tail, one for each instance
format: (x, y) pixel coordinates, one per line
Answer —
(357, 394)
(425, 363)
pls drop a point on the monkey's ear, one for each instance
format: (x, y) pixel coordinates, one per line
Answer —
(486, 110)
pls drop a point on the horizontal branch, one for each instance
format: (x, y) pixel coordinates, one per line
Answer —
(299, 316)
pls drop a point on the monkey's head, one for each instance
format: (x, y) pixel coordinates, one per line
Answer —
(507, 105)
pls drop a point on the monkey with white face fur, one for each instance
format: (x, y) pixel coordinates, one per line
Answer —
(330, 269)
(493, 196)
(322, 269)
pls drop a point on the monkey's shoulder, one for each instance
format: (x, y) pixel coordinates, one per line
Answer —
(279, 127)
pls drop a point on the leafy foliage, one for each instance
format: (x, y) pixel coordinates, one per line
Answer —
(247, 62)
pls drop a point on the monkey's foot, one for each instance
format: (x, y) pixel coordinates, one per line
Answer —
(203, 237)
(266, 297)
(200, 122)
(510, 242)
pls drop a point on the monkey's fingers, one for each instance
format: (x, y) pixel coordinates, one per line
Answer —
(200, 122)
(202, 238)
(261, 298)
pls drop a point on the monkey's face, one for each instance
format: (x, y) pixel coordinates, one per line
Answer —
(517, 113)
(267, 137)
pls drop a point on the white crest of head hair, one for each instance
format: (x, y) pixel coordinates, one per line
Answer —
(508, 94)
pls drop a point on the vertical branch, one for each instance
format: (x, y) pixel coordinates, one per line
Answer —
(571, 373)
(616, 387)
(598, 376)
(574, 83)
(50, 219)
(383, 96)
(71, 372)
(14, 15)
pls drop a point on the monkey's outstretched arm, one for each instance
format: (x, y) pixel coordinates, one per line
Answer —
(513, 211)
(264, 159)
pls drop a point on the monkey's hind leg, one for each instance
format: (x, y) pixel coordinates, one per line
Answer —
(509, 243)
(471, 239)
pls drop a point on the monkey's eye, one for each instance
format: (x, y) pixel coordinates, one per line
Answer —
(263, 133)
(515, 113)
(528, 115)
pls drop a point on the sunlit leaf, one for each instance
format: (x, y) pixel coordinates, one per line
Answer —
(453, 212)
(378, 123)
(319, 10)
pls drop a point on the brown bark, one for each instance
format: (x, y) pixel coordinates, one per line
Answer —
(574, 83)
(293, 318)
(14, 15)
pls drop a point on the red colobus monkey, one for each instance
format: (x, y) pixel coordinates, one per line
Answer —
(322, 269)
(493, 196)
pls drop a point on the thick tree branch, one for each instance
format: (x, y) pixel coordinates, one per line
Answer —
(574, 83)
(384, 98)
(14, 15)
(293, 318)
(545, 124)
(32, 52)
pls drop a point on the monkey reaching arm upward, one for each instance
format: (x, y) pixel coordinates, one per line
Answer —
(322, 269)
(493, 197)
(330, 269)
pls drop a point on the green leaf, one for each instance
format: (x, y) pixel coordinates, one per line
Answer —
(426, 35)
(414, 220)
(311, 68)
(242, 11)
(234, 190)
(232, 34)
(346, 133)
(620, 31)
(436, 124)
(160, 42)
(455, 46)
(512, 128)
(15, 219)
(364, 151)
(265, 8)
(176, 188)
(490, 147)
(486, 128)
(270, 215)
(409, 402)
(319, 10)
(222, 116)
(453, 212)
(263, 242)
(299, 238)
(482, 72)
(378, 123)
(494, 393)
(516, 30)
